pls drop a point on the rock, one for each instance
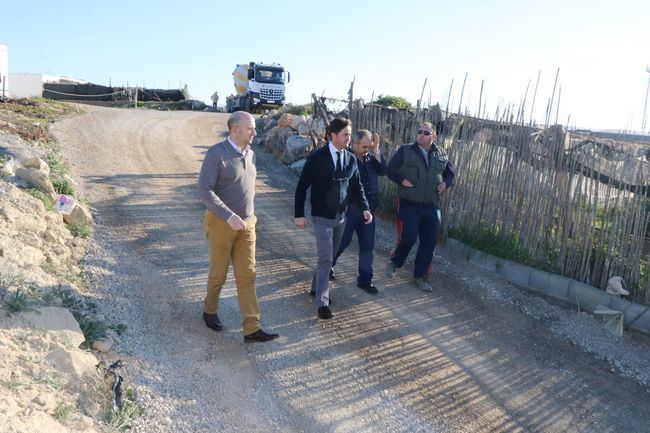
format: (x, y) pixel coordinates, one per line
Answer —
(296, 121)
(616, 286)
(8, 168)
(39, 344)
(296, 147)
(39, 400)
(276, 138)
(58, 320)
(79, 216)
(298, 165)
(22, 255)
(304, 129)
(91, 408)
(103, 344)
(38, 179)
(285, 120)
(37, 163)
(74, 363)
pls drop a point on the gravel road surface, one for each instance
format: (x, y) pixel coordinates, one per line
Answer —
(476, 355)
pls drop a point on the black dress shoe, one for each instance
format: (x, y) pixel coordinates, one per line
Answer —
(332, 275)
(259, 336)
(325, 313)
(368, 288)
(212, 321)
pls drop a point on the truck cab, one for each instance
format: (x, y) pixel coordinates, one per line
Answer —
(259, 87)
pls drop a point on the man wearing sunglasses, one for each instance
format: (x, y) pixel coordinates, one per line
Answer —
(423, 172)
(332, 174)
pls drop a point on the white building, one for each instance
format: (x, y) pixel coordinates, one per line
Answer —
(28, 85)
(4, 70)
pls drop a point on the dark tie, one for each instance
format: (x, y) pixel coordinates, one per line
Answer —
(338, 162)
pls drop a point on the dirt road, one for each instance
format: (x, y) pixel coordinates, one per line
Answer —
(404, 361)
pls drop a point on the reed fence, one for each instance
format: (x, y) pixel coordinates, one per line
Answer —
(575, 205)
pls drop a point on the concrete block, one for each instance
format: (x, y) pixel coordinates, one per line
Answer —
(616, 303)
(586, 296)
(551, 284)
(642, 324)
(484, 260)
(514, 272)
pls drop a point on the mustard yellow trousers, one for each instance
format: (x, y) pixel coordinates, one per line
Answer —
(227, 244)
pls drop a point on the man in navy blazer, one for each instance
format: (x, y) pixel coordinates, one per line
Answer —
(333, 176)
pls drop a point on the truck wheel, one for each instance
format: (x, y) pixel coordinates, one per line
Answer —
(246, 104)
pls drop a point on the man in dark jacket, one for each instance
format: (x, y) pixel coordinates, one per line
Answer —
(371, 165)
(423, 172)
(332, 174)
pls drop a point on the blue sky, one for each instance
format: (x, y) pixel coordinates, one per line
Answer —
(601, 48)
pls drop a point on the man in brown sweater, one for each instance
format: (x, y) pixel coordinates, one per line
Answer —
(227, 190)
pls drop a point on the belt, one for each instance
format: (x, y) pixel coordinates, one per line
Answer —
(414, 203)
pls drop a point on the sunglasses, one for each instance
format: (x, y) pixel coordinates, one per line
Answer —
(423, 132)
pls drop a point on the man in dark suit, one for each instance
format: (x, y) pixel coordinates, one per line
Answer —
(371, 165)
(332, 174)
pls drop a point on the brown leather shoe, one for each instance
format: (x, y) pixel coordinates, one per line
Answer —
(212, 321)
(259, 336)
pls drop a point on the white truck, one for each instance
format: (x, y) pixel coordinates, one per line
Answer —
(258, 86)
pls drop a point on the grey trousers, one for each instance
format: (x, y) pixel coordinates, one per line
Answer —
(328, 235)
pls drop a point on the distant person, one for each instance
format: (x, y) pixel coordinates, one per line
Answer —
(332, 174)
(227, 189)
(423, 172)
(372, 164)
(215, 99)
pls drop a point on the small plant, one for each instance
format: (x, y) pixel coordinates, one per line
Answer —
(119, 328)
(56, 165)
(93, 330)
(8, 280)
(63, 412)
(21, 301)
(3, 158)
(79, 230)
(62, 186)
(12, 384)
(51, 379)
(47, 201)
(124, 419)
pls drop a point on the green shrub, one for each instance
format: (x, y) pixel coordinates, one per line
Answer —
(20, 301)
(56, 165)
(62, 186)
(93, 330)
(299, 110)
(63, 412)
(79, 230)
(130, 411)
(393, 101)
(47, 201)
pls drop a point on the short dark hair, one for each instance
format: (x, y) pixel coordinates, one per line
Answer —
(337, 125)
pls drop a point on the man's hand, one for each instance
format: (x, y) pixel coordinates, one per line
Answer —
(367, 216)
(236, 223)
(374, 147)
(407, 183)
(300, 222)
(442, 187)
